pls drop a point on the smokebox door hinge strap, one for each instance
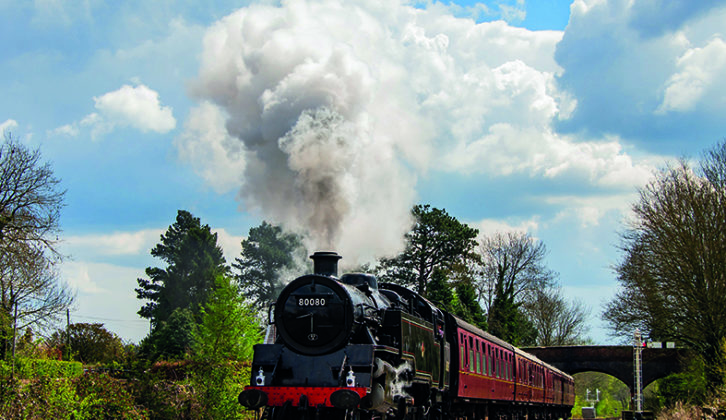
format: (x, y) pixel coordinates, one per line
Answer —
(341, 380)
(274, 370)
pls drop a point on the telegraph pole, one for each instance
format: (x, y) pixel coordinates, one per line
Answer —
(68, 334)
(638, 374)
(15, 334)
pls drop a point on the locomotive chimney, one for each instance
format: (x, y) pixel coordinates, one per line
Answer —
(325, 263)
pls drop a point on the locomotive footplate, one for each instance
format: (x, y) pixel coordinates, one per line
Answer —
(310, 396)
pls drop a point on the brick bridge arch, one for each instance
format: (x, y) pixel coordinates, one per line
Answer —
(613, 360)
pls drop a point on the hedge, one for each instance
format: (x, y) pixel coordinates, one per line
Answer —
(36, 368)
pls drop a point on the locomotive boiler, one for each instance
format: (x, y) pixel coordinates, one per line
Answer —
(350, 347)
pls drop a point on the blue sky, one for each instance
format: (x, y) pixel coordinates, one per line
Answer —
(538, 116)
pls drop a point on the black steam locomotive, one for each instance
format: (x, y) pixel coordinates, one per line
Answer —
(350, 348)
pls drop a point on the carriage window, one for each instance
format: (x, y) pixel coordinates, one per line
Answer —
(462, 347)
(499, 364)
(510, 365)
(471, 354)
(479, 349)
(487, 369)
(506, 367)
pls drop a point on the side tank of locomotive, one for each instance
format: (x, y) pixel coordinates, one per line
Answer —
(326, 352)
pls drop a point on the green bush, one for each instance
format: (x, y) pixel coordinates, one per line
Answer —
(609, 407)
(87, 397)
(5, 369)
(103, 397)
(217, 386)
(688, 387)
(50, 399)
(164, 392)
(35, 368)
(181, 390)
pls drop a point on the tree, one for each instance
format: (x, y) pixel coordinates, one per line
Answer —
(171, 339)
(436, 240)
(30, 198)
(507, 321)
(557, 322)
(513, 261)
(30, 204)
(458, 298)
(511, 269)
(614, 394)
(267, 254)
(32, 296)
(468, 307)
(89, 343)
(229, 327)
(224, 338)
(193, 261)
(673, 272)
(441, 293)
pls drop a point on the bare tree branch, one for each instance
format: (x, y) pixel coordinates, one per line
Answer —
(30, 204)
(673, 271)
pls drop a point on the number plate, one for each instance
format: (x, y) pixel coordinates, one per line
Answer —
(312, 301)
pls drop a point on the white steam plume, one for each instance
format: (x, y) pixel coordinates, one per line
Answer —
(319, 138)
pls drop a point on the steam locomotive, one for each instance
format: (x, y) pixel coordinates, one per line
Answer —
(349, 347)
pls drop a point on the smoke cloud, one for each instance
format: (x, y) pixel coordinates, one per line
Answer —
(322, 145)
(332, 111)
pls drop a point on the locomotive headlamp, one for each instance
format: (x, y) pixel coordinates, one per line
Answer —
(350, 379)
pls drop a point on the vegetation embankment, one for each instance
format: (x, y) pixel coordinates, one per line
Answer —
(180, 390)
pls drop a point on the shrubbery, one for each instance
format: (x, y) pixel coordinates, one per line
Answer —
(89, 396)
(164, 390)
(35, 368)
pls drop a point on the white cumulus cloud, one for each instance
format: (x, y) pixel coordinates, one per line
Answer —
(77, 275)
(630, 65)
(135, 106)
(113, 244)
(8, 125)
(231, 244)
(699, 74)
(206, 145)
(489, 227)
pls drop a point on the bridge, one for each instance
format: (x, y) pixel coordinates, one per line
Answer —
(613, 360)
